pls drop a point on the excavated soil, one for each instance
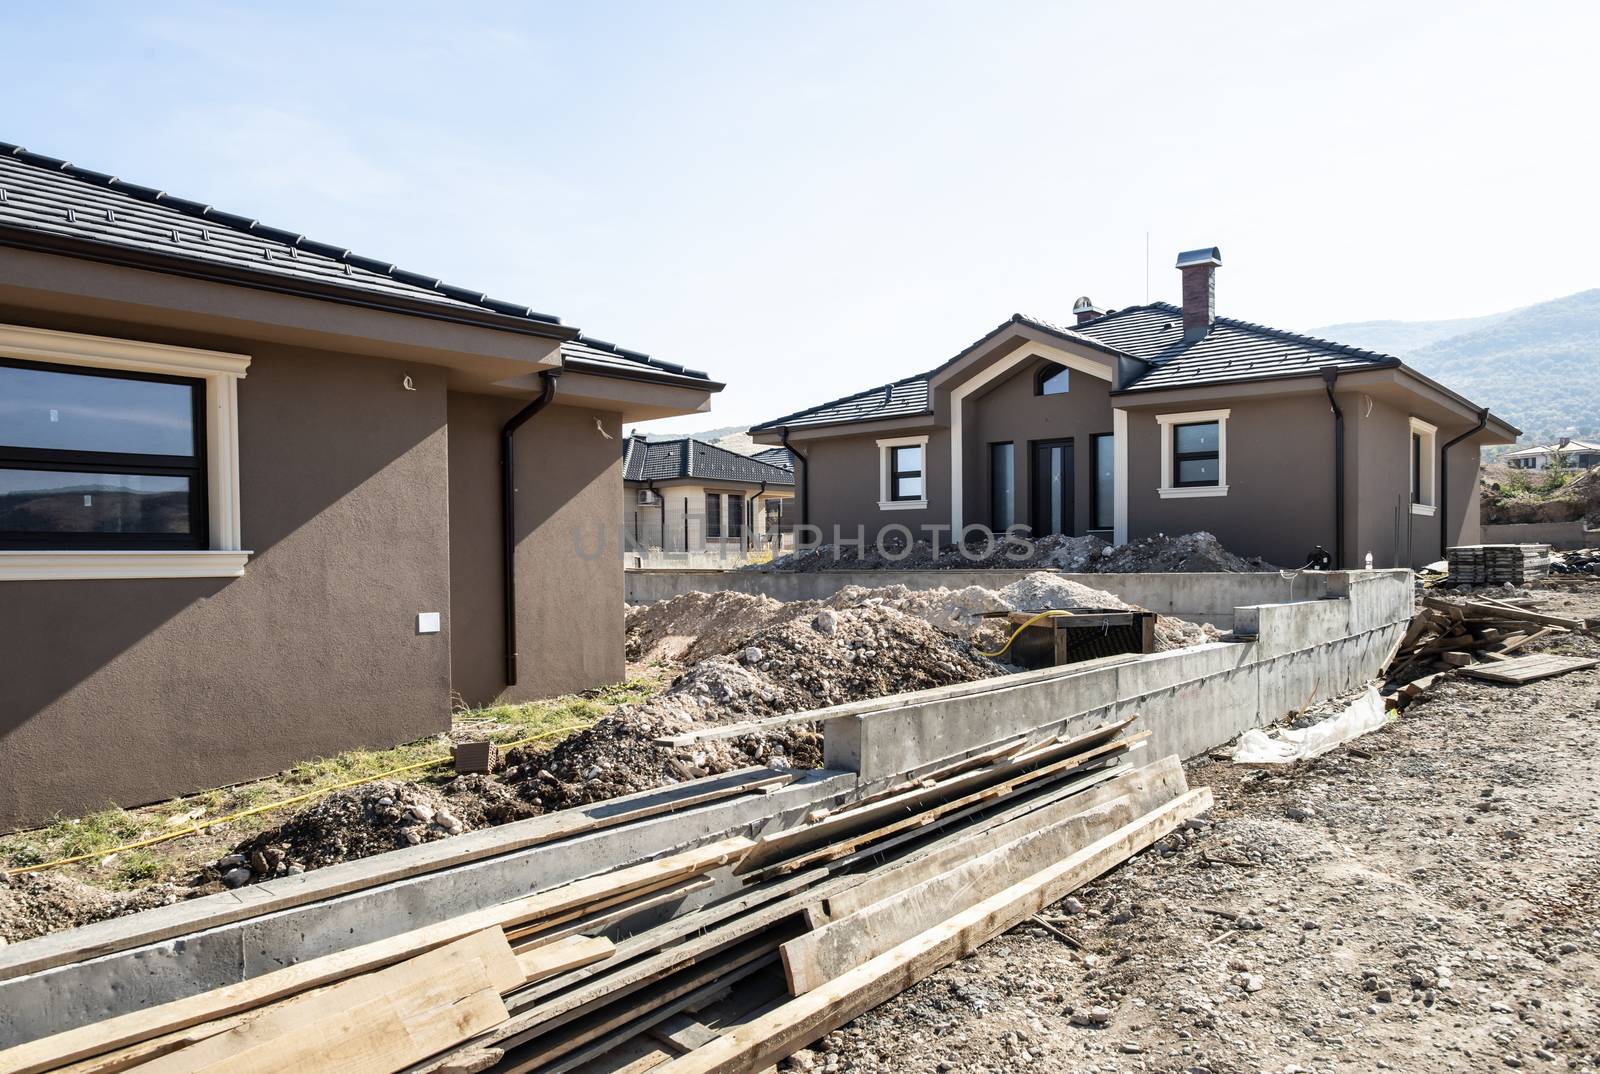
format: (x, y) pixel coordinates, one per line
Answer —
(33, 904)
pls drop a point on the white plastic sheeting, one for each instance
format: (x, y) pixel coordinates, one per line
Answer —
(1297, 744)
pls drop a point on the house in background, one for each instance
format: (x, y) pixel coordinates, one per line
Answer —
(264, 499)
(1155, 419)
(685, 499)
(1572, 454)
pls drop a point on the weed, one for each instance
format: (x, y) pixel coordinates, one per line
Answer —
(135, 867)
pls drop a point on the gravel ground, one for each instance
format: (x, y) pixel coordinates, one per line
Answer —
(1422, 899)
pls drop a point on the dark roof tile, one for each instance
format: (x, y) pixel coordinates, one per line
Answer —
(684, 457)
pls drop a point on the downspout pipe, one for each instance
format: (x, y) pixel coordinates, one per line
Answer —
(1330, 376)
(800, 476)
(508, 514)
(1444, 478)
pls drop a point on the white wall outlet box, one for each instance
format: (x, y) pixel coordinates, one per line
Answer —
(427, 622)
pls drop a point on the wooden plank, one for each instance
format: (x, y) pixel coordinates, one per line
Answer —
(564, 955)
(1527, 669)
(683, 1032)
(1147, 787)
(374, 1024)
(593, 924)
(812, 960)
(767, 1039)
(273, 896)
(667, 886)
(112, 1033)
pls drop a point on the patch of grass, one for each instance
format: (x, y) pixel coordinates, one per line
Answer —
(136, 867)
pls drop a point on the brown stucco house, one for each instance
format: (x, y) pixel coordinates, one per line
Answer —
(1153, 419)
(254, 492)
(683, 495)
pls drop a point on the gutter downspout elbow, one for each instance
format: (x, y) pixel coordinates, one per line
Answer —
(1330, 376)
(508, 514)
(1444, 478)
(802, 478)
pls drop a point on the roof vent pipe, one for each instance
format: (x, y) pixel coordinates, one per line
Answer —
(1199, 269)
(1085, 310)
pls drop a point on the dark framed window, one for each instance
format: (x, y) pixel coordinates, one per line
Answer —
(713, 514)
(93, 458)
(774, 510)
(905, 472)
(735, 514)
(1002, 486)
(1416, 468)
(1196, 454)
(1103, 490)
(1051, 379)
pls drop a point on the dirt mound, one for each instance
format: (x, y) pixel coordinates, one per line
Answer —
(1527, 496)
(828, 658)
(33, 904)
(697, 625)
(1191, 553)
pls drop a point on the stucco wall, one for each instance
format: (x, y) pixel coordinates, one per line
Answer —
(1010, 411)
(843, 476)
(1280, 478)
(569, 548)
(129, 691)
(662, 525)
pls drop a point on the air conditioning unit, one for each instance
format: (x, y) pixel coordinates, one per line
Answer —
(648, 498)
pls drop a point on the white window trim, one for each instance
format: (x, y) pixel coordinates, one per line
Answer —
(1430, 476)
(221, 373)
(884, 446)
(1167, 491)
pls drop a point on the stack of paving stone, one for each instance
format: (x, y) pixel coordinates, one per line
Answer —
(1497, 564)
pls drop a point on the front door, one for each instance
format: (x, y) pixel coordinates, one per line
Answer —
(1052, 487)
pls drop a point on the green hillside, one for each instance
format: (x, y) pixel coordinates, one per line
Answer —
(1539, 367)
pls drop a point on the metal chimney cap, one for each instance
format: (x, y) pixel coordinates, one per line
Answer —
(1084, 304)
(1206, 255)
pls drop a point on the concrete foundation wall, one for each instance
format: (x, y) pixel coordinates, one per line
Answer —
(1208, 598)
(1555, 534)
(1191, 699)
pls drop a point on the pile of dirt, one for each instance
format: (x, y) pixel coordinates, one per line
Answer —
(1520, 497)
(828, 657)
(32, 904)
(1190, 552)
(694, 626)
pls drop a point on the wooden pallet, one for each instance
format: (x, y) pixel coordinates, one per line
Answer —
(1529, 668)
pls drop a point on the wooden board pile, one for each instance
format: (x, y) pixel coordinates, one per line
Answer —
(726, 957)
(1497, 564)
(1446, 635)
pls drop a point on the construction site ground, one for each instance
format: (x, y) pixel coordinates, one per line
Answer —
(1421, 899)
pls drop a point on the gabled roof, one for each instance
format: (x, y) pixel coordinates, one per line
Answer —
(680, 457)
(777, 456)
(1152, 335)
(1550, 449)
(52, 204)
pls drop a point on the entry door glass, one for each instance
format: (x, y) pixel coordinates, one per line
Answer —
(1052, 487)
(1002, 505)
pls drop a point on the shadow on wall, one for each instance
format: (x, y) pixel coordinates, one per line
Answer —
(343, 484)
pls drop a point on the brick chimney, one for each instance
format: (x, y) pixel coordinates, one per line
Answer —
(1199, 269)
(1085, 310)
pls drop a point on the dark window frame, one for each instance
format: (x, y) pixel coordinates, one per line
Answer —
(1416, 468)
(895, 473)
(195, 467)
(1094, 479)
(736, 520)
(713, 516)
(1179, 457)
(1047, 372)
(994, 521)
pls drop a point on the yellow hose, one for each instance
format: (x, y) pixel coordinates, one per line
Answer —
(1026, 624)
(201, 826)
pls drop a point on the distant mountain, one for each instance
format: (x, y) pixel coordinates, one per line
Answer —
(731, 437)
(1538, 367)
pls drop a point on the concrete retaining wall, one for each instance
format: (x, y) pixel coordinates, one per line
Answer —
(1191, 699)
(1555, 534)
(1205, 598)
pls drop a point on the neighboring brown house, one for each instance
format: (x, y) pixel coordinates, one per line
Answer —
(1155, 419)
(685, 495)
(251, 495)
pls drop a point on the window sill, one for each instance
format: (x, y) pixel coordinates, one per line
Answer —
(1192, 492)
(1425, 509)
(82, 564)
(902, 505)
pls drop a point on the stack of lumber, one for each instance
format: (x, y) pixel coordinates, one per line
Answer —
(1497, 564)
(1446, 635)
(726, 957)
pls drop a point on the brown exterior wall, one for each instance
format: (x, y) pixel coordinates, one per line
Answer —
(1010, 411)
(1280, 478)
(843, 476)
(569, 551)
(130, 691)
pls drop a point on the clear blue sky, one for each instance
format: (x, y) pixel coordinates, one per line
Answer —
(809, 198)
